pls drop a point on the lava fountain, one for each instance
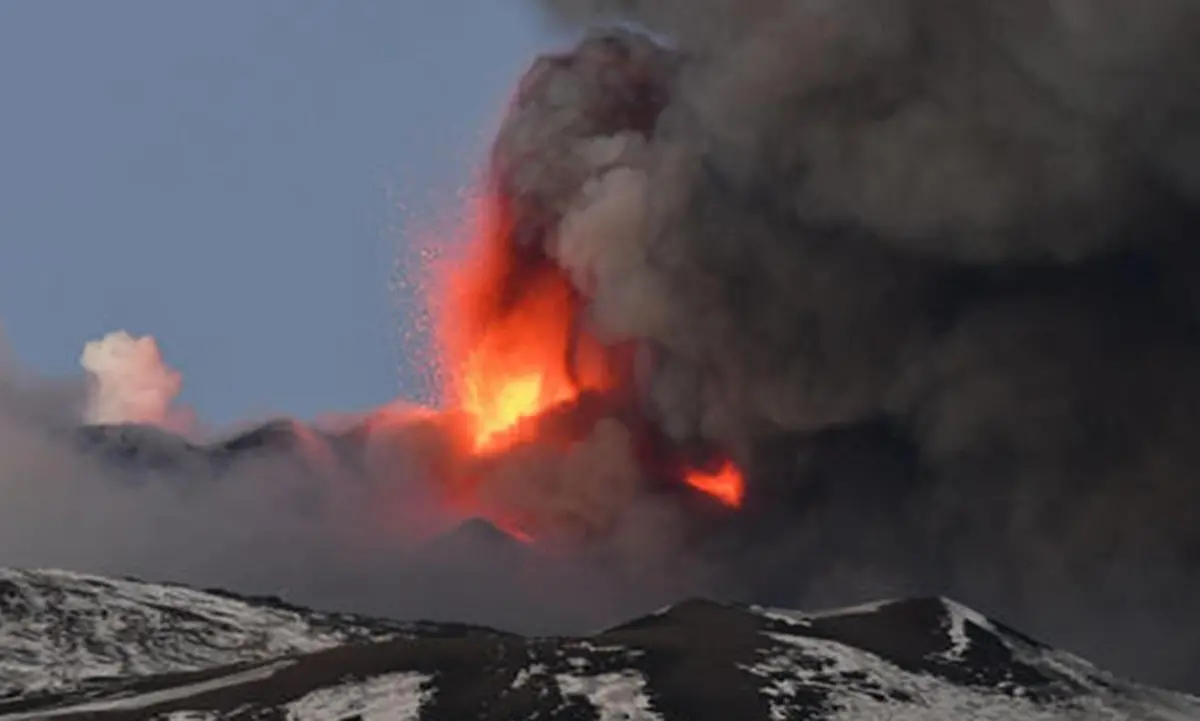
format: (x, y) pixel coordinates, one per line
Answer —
(508, 336)
(542, 416)
(520, 370)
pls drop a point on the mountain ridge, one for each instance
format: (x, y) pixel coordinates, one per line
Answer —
(223, 657)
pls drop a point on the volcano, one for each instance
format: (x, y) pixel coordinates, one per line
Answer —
(792, 304)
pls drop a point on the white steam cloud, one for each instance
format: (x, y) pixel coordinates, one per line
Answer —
(130, 383)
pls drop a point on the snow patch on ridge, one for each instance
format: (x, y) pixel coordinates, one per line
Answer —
(805, 618)
(393, 697)
(156, 698)
(615, 696)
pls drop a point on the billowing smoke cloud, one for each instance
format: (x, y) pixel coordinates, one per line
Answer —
(130, 383)
(927, 266)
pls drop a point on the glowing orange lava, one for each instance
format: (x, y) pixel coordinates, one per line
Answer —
(726, 484)
(513, 530)
(511, 354)
(508, 342)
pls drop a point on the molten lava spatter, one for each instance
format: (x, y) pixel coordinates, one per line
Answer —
(725, 484)
(517, 368)
(507, 335)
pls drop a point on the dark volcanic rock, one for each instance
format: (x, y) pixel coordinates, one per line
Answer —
(277, 435)
(141, 447)
(477, 537)
(134, 447)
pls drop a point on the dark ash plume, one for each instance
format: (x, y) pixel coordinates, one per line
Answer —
(968, 223)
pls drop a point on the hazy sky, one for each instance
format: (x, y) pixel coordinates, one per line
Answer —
(228, 177)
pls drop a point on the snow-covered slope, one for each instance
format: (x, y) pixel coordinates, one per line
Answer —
(59, 630)
(907, 660)
(912, 660)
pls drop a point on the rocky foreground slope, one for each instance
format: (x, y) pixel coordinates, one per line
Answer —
(83, 647)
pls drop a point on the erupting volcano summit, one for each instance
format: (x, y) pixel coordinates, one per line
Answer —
(530, 377)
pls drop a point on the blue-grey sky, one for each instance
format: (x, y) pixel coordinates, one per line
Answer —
(226, 176)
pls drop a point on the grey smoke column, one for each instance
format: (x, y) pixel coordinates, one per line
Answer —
(970, 223)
